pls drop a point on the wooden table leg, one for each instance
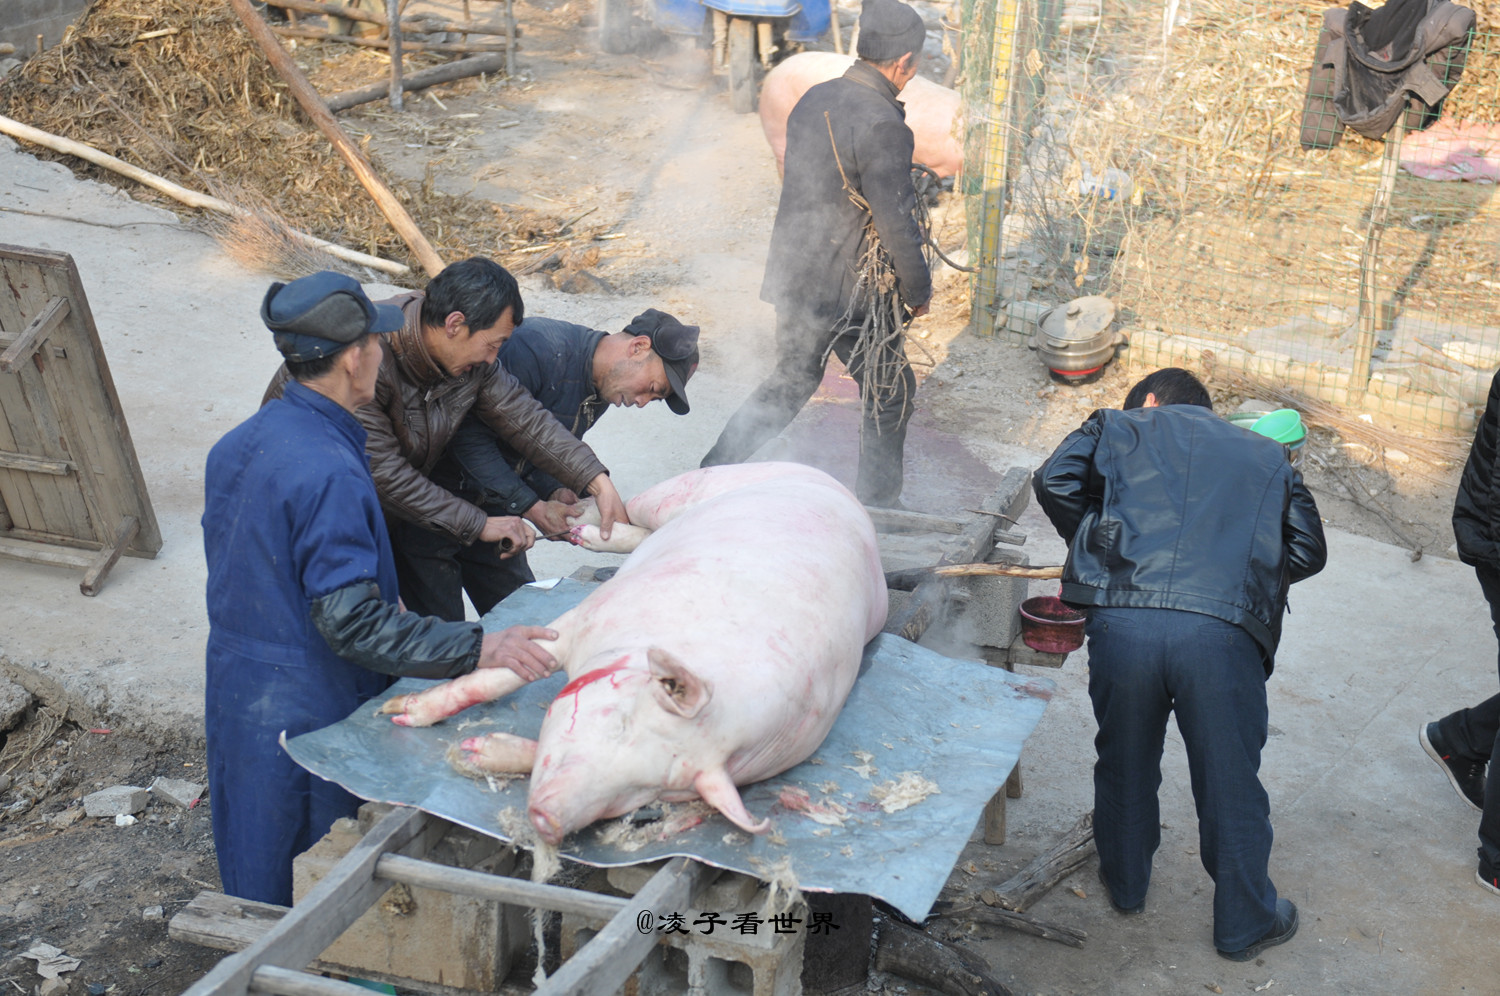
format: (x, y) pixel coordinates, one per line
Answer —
(93, 580)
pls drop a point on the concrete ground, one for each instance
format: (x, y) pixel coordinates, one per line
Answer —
(1372, 843)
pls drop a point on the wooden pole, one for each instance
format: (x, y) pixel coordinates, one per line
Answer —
(313, 104)
(1369, 262)
(492, 62)
(192, 198)
(416, 46)
(393, 15)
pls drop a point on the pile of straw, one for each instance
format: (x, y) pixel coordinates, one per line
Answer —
(178, 87)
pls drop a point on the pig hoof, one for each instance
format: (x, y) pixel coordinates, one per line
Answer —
(586, 537)
(399, 704)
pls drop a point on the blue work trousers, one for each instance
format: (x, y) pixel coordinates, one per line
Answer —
(1143, 665)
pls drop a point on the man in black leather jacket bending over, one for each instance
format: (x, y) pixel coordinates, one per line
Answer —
(1184, 533)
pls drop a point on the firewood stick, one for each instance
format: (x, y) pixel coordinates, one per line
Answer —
(1046, 869)
(192, 198)
(998, 570)
(313, 104)
(1061, 933)
(417, 24)
(492, 62)
(948, 968)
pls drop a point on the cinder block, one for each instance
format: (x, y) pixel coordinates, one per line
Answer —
(117, 800)
(993, 609)
(422, 934)
(730, 891)
(723, 963)
(176, 791)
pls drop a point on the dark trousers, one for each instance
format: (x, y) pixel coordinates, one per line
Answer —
(1143, 665)
(434, 570)
(1474, 734)
(802, 343)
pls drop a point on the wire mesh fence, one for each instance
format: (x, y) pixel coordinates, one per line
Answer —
(1171, 155)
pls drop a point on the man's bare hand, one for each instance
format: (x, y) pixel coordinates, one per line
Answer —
(565, 495)
(513, 648)
(552, 518)
(510, 532)
(611, 508)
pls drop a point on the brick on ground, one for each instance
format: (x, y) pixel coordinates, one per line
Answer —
(117, 800)
(176, 791)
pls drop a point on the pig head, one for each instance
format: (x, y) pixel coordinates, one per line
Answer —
(719, 654)
(932, 110)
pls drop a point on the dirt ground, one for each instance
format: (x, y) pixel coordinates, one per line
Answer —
(684, 192)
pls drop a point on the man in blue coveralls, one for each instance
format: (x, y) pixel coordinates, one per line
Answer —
(304, 622)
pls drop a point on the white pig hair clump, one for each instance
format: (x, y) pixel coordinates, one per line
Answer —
(783, 891)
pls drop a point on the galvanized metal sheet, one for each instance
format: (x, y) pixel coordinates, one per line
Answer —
(955, 726)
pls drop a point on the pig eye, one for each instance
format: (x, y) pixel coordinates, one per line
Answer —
(673, 687)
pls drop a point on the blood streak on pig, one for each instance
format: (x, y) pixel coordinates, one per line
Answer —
(576, 685)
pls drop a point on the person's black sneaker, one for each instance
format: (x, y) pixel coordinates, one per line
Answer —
(1282, 929)
(1139, 907)
(1487, 878)
(1466, 777)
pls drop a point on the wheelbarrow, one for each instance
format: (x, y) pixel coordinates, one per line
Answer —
(748, 36)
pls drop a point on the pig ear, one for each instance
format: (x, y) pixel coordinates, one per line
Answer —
(717, 789)
(674, 687)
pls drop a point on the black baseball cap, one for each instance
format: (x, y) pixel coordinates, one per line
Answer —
(676, 344)
(316, 316)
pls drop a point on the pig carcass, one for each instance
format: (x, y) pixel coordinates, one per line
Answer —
(720, 653)
(932, 110)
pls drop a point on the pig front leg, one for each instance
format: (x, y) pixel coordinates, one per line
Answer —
(441, 701)
(623, 538)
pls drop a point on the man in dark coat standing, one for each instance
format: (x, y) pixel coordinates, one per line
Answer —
(846, 138)
(1184, 533)
(1465, 742)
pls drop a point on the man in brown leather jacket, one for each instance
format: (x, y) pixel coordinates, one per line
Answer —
(437, 369)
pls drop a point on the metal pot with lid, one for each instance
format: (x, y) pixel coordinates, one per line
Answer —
(1074, 339)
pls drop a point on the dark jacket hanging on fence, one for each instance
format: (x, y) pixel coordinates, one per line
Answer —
(1369, 62)
(819, 233)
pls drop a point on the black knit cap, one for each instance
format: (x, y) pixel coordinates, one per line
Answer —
(888, 29)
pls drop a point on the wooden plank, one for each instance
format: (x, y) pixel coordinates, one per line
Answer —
(6, 338)
(973, 544)
(515, 891)
(289, 982)
(39, 553)
(225, 923)
(33, 335)
(23, 494)
(66, 505)
(100, 567)
(29, 464)
(602, 965)
(890, 520)
(342, 897)
(99, 439)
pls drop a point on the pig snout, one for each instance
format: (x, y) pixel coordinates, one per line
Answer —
(548, 827)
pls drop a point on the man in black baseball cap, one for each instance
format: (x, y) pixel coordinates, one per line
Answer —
(576, 373)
